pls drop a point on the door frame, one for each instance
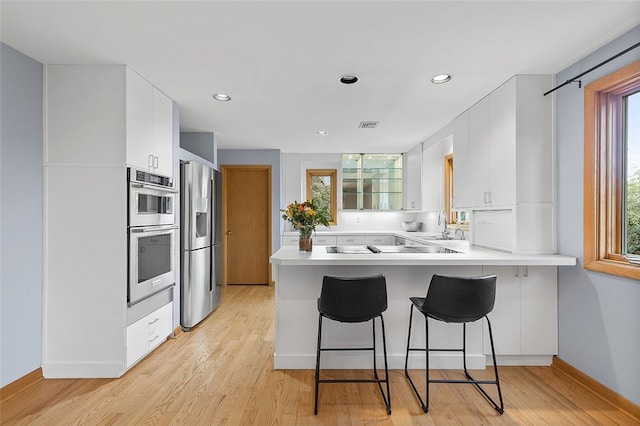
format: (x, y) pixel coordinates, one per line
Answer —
(224, 170)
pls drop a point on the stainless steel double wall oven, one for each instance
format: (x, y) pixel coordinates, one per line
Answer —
(152, 233)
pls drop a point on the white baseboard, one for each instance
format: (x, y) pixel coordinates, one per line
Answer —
(82, 371)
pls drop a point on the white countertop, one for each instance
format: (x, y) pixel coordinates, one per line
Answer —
(291, 255)
(398, 233)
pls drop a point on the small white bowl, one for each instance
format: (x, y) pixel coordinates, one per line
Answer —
(411, 226)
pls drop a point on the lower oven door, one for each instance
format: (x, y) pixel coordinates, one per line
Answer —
(151, 261)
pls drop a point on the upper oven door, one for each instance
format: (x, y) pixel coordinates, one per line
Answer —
(150, 205)
(151, 261)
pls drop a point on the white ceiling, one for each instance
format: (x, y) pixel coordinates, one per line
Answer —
(281, 61)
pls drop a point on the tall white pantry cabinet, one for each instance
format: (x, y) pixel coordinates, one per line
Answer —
(99, 119)
(504, 167)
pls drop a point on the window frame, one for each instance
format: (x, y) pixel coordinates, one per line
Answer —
(603, 171)
(457, 219)
(333, 175)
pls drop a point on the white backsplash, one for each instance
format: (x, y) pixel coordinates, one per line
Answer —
(383, 221)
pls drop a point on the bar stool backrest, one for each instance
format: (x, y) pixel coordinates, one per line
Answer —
(353, 299)
(460, 299)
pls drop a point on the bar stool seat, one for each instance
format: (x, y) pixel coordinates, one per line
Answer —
(354, 300)
(455, 300)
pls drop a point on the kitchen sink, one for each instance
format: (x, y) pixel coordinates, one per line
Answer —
(388, 249)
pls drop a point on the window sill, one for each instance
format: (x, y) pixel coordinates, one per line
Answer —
(614, 267)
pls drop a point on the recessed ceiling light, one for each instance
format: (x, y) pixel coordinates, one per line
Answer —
(441, 78)
(348, 79)
(322, 133)
(222, 97)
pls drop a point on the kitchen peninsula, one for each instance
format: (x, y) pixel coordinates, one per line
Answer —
(524, 319)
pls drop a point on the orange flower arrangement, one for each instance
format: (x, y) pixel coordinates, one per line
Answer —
(304, 217)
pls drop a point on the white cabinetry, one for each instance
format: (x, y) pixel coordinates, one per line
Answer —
(85, 313)
(147, 333)
(383, 240)
(462, 179)
(525, 316)
(433, 178)
(350, 239)
(324, 240)
(149, 126)
(492, 146)
(319, 240)
(413, 178)
(504, 154)
(503, 159)
(344, 239)
(479, 152)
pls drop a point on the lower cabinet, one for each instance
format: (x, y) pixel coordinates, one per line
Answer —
(319, 240)
(383, 240)
(350, 239)
(525, 316)
(148, 332)
(324, 240)
(346, 239)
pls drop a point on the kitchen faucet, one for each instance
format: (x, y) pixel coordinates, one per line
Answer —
(442, 217)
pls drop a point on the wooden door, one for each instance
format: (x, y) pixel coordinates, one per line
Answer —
(247, 224)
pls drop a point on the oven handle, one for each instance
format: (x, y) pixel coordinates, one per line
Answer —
(154, 187)
(153, 229)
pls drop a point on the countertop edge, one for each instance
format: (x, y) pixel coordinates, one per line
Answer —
(292, 256)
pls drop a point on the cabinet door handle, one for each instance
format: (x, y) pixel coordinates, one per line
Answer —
(490, 197)
(150, 161)
(155, 162)
(485, 197)
(154, 321)
(154, 338)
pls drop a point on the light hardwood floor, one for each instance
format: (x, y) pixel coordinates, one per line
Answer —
(220, 373)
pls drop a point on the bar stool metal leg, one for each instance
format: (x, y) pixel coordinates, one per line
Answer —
(317, 384)
(424, 405)
(386, 397)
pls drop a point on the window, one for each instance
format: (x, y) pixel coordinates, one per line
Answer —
(458, 217)
(321, 188)
(452, 215)
(372, 181)
(611, 172)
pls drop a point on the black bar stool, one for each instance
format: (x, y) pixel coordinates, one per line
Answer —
(353, 300)
(456, 300)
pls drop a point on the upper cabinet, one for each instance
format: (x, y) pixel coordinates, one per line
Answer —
(139, 113)
(413, 178)
(503, 147)
(462, 180)
(504, 167)
(149, 126)
(107, 114)
(432, 178)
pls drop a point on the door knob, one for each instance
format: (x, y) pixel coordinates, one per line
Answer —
(228, 232)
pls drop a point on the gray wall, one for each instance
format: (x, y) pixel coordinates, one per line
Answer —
(599, 314)
(21, 142)
(201, 144)
(270, 157)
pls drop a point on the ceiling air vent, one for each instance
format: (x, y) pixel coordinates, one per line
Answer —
(368, 124)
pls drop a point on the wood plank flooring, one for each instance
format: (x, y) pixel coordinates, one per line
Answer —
(221, 373)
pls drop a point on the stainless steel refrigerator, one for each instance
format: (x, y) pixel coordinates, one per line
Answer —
(200, 242)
